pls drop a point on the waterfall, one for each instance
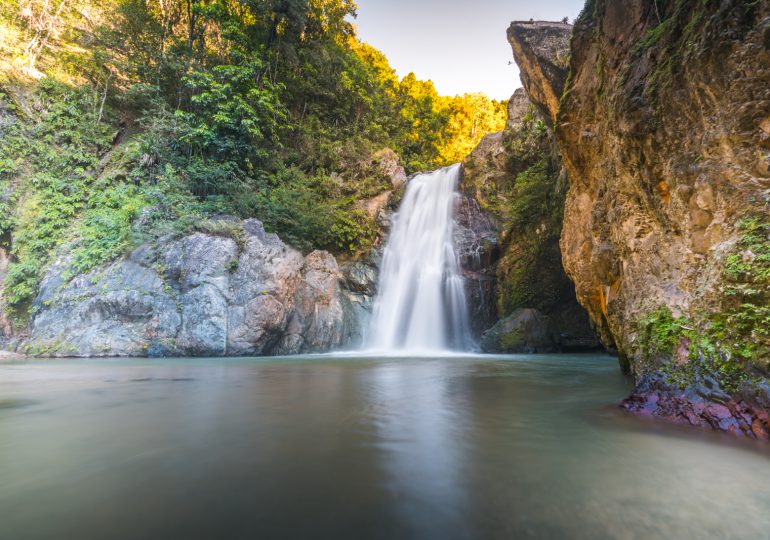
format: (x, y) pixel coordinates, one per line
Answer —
(420, 304)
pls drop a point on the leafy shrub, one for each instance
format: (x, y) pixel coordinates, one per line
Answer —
(106, 228)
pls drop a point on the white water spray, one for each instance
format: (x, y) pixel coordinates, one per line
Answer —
(420, 305)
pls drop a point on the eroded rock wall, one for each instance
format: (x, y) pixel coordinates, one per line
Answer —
(664, 130)
(510, 213)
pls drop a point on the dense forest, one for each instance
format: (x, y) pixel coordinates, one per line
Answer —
(126, 120)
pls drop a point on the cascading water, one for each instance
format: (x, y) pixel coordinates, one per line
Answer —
(420, 305)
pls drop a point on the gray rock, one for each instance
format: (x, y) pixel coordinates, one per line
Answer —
(200, 295)
(360, 277)
(317, 321)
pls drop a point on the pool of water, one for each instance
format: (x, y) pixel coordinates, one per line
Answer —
(346, 447)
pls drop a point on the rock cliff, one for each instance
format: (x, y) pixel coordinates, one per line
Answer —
(236, 291)
(512, 196)
(664, 130)
(541, 50)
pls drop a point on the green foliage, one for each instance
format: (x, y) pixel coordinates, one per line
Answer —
(61, 148)
(233, 118)
(301, 209)
(751, 264)
(745, 319)
(105, 231)
(146, 118)
(535, 198)
(733, 343)
(661, 332)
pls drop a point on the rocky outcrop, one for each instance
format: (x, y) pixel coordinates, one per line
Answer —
(389, 176)
(664, 158)
(509, 215)
(518, 107)
(664, 129)
(360, 288)
(541, 50)
(238, 292)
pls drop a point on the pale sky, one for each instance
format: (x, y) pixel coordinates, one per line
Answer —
(459, 44)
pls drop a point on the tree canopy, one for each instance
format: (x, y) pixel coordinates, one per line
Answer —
(183, 108)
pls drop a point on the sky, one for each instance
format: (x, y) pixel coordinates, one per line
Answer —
(459, 44)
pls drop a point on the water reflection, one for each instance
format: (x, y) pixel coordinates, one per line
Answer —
(422, 431)
(478, 447)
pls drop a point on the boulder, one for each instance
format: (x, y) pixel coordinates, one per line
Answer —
(203, 294)
(523, 331)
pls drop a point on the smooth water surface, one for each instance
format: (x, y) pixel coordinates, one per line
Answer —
(325, 447)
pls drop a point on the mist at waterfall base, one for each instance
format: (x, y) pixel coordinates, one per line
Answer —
(420, 307)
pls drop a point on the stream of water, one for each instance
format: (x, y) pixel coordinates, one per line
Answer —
(420, 305)
(457, 447)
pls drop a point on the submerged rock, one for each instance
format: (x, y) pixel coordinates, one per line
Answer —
(201, 295)
(702, 405)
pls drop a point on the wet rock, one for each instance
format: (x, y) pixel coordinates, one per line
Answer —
(655, 398)
(475, 239)
(523, 331)
(360, 277)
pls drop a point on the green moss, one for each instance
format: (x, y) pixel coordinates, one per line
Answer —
(745, 320)
(732, 343)
(676, 34)
(661, 332)
(47, 348)
(688, 353)
(227, 228)
(567, 89)
(654, 35)
(512, 340)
